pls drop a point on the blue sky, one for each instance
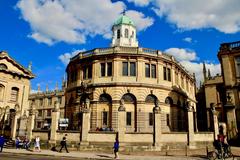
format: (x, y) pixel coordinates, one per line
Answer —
(48, 32)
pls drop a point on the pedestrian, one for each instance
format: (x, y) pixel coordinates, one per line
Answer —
(2, 140)
(17, 143)
(116, 148)
(37, 144)
(26, 143)
(64, 143)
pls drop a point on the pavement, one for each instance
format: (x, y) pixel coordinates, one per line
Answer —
(172, 155)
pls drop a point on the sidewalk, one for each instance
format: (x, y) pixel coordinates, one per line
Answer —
(99, 155)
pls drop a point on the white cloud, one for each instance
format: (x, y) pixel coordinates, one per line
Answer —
(73, 22)
(140, 3)
(182, 54)
(65, 57)
(187, 39)
(140, 20)
(188, 14)
(187, 58)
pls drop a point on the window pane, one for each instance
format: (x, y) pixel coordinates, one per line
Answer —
(153, 66)
(150, 119)
(165, 73)
(109, 69)
(132, 69)
(129, 118)
(105, 117)
(14, 95)
(125, 69)
(102, 69)
(169, 74)
(147, 70)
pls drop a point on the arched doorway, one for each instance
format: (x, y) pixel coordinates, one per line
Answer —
(104, 111)
(131, 112)
(150, 103)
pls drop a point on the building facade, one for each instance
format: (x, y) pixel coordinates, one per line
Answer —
(99, 79)
(44, 102)
(14, 92)
(222, 91)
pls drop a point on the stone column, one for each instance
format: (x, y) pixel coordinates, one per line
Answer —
(141, 117)
(121, 122)
(85, 126)
(14, 125)
(191, 143)
(215, 122)
(54, 124)
(115, 105)
(31, 122)
(157, 128)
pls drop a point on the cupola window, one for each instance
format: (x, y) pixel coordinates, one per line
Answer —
(118, 34)
(126, 33)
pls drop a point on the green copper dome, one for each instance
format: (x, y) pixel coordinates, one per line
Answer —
(124, 20)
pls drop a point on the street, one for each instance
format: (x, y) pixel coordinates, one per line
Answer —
(10, 156)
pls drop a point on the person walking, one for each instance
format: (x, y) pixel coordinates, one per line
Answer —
(37, 144)
(64, 143)
(2, 140)
(116, 148)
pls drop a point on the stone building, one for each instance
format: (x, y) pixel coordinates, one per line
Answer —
(14, 92)
(44, 102)
(221, 92)
(142, 78)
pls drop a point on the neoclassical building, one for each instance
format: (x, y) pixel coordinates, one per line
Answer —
(140, 78)
(14, 92)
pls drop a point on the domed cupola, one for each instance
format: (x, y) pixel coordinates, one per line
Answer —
(124, 32)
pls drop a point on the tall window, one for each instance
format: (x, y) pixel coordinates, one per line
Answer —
(132, 69)
(59, 100)
(125, 69)
(87, 72)
(167, 74)
(147, 70)
(104, 118)
(237, 63)
(153, 70)
(41, 102)
(129, 69)
(118, 34)
(39, 113)
(2, 88)
(49, 101)
(129, 118)
(150, 119)
(106, 69)
(14, 94)
(49, 113)
(126, 33)
(176, 77)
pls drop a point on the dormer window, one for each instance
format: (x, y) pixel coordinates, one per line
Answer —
(3, 66)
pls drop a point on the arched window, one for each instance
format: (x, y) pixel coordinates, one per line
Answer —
(118, 34)
(129, 98)
(3, 66)
(105, 98)
(14, 94)
(126, 33)
(2, 88)
(151, 99)
(132, 34)
(169, 100)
